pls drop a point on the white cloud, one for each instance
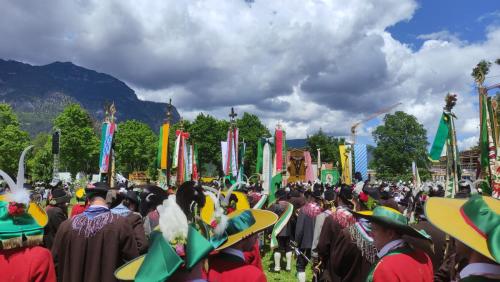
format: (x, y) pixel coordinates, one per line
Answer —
(468, 142)
(308, 64)
(443, 35)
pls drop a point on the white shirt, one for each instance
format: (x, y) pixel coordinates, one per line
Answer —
(234, 252)
(480, 269)
(390, 246)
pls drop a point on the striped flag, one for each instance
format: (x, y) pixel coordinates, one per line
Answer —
(107, 132)
(361, 160)
(195, 162)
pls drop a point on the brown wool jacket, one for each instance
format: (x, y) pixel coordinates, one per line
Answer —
(91, 250)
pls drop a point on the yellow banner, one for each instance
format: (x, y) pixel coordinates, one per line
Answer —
(344, 160)
(164, 146)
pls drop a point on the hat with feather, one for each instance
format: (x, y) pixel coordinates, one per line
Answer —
(232, 226)
(21, 222)
(177, 244)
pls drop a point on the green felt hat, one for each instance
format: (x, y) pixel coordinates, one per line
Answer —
(18, 231)
(21, 222)
(392, 218)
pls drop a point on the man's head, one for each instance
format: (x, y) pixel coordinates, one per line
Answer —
(96, 194)
(131, 201)
(246, 244)
(383, 234)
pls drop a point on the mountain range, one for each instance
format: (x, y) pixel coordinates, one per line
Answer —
(39, 93)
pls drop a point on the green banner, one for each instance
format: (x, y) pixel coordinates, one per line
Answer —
(330, 176)
(440, 139)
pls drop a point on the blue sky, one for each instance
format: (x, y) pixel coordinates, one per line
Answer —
(465, 19)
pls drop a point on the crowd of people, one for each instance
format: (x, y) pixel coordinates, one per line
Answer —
(220, 232)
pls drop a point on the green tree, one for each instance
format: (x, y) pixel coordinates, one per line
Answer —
(205, 132)
(42, 163)
(400, 140)
(13, 140)
(250, 130)
(329, 147)
(135, 148)
(79, 142)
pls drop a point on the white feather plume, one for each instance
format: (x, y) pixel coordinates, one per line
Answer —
(18, 193)
(218, 215)
(173, 222)
(230, 191)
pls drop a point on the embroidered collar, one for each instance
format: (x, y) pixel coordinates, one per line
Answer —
(234, 252)
(390, 246)
(480, 269)
(121, 210)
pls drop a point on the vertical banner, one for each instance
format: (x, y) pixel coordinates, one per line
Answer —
(241, 170)
(258, 166)
(490, 162)
(440, 139)
(416, 176)
(189, 161)
(344, 161)
(231, 167)
(164, 145)
(181, 156)
(195, 162)
(108, 129)
(319, 162)
(175, 158)
(361, 160)
(267, 168)
(224, 150)
(309, 167)
(278, 143)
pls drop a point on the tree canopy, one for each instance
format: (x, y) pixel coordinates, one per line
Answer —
(329, 147)
(400, 140)
(13, 140)
(135, 148)
(79, 142)
(250, 130)
(42, 163)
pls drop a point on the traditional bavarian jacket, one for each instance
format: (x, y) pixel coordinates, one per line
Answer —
(230, 266)
(399, 262)
(27, 264)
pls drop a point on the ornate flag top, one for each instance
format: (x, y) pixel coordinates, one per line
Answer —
(446, 135)
(107, 133)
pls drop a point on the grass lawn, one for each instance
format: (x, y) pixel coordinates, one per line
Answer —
(283, 275)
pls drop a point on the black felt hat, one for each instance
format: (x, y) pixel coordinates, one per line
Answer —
(59, 196)
(98, 189)
(189, 194)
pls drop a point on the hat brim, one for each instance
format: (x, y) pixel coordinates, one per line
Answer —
(445, 215)
(129, 270)
(263, 220)
(403, 229)
(38, 214)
